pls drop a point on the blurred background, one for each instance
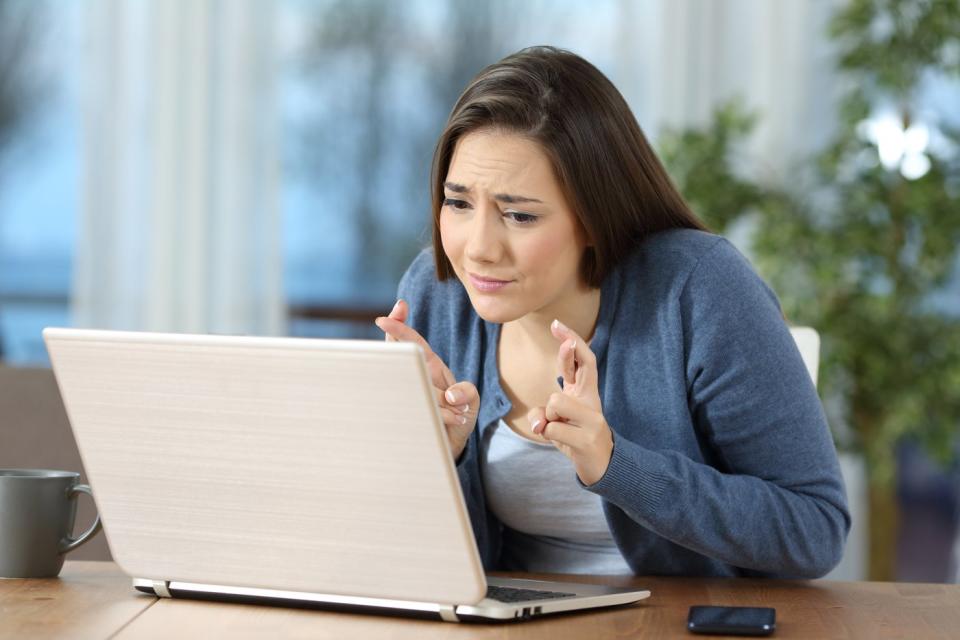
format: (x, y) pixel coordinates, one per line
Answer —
(261, 168)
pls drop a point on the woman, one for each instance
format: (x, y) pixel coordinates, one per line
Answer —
(620, 391)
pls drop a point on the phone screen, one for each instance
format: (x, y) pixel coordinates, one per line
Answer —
(754, 621)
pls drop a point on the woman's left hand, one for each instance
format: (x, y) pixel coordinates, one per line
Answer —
(573, 418)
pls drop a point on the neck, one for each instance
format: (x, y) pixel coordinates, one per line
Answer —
(579, 312)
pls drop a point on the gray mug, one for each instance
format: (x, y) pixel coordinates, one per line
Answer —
(37, 511)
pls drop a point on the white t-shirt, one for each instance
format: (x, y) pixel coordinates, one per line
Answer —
(551, 524)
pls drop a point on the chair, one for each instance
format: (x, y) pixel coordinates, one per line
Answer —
(808, 342)
(853, 564)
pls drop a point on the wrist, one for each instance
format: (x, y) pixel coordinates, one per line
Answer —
(600, 461)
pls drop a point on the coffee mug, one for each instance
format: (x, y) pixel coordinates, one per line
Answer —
(37, 511)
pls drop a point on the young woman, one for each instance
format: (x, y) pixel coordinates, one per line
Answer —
(620, 390)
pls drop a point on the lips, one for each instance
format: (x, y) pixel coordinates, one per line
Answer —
(485, 284)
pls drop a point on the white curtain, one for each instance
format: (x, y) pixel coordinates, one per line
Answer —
(683, 58)
(180, 225)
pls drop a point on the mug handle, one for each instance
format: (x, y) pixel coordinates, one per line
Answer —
(69, 544)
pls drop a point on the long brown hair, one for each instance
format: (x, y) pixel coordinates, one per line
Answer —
(611, 177)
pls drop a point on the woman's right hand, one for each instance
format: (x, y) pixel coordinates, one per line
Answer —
(458, 401)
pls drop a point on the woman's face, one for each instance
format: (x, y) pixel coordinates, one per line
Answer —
(507, 230)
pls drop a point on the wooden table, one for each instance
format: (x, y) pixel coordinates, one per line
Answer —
(95, 600)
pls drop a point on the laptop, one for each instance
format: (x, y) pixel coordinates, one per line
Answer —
(290, 471)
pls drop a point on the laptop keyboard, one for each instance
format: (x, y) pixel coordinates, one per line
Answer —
(513, 594)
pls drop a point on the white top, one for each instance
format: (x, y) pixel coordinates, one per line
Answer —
(551, 524)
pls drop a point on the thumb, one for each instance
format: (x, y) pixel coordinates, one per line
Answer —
(537, 417)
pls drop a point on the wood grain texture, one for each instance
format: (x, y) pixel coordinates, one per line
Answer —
(88, 600)
(95, 600)
(304, 465)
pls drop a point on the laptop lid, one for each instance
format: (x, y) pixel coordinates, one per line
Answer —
(275, 463)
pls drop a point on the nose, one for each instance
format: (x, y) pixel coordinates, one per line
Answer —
(484, 242)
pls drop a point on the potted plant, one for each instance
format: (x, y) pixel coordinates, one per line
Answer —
(864, 245)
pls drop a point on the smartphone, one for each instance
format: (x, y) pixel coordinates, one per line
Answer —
(734, 621)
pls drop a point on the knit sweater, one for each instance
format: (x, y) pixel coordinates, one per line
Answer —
(723, 463)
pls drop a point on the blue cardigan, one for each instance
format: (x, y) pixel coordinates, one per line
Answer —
(723, 464)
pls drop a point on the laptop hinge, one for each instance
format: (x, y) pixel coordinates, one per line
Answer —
(448, 613)
(160, 588)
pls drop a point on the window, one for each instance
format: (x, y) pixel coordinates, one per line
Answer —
(39, 172)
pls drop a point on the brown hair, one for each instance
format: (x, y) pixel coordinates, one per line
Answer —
(612, 179)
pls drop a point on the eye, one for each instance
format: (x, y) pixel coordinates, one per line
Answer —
(521, 218)
(456, 204)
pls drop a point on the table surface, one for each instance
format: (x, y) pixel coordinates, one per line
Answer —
(96, 600)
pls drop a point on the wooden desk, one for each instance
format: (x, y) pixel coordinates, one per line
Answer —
(95, 600)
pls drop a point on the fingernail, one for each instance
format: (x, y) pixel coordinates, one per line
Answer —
(451, 396)
(536, 423)
(463, 420)
(573, 346)
(395, 305)
(466, 408)
(559, 325)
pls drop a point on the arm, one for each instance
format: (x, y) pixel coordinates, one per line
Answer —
(777, 502)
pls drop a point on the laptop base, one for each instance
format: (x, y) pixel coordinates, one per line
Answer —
(485, 611)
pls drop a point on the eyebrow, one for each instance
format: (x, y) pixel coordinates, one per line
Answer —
(502, 197)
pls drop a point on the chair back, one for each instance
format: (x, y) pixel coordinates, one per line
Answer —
(808, 341)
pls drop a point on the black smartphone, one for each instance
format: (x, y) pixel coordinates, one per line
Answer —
(734, 621)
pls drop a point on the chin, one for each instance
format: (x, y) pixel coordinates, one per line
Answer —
(498, 311)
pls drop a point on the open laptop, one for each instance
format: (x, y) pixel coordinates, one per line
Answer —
(283, 470)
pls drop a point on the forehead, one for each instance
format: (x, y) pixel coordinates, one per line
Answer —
(486, 160)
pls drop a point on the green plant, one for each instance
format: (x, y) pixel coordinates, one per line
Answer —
(857, 249)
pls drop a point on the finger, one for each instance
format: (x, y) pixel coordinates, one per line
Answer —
(584, 360)
(401, 332)
(399, 311)
(564, 433)
(386, 335)
(562, 332)
(444, 403)
(537, 420)
(452, 419)
(567, 408)
(440, 374)
(464, 395)
(566, 364)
